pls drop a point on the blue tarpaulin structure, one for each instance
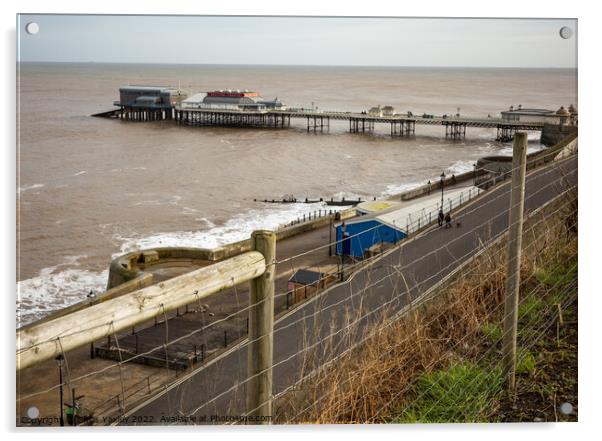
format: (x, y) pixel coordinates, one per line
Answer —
(356, 236)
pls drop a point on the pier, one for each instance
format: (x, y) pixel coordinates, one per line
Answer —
(245, 108)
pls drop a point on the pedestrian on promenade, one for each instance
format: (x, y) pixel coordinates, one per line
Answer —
(448, 220)
(440, 218)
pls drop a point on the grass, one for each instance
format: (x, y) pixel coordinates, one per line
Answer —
(530, 310)
(557, 276)
(459, 394)
(525, 362)
(492, 331)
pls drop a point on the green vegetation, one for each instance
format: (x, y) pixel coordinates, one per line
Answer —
(558, 276)
(493, 332)
(525, 362)
(459, 394)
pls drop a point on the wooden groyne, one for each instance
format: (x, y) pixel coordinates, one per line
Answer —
(330, 202)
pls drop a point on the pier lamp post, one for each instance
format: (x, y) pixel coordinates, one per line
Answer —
(442, 181)
(59, 361)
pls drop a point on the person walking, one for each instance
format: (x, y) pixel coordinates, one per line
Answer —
(440, 218)
(448, 220)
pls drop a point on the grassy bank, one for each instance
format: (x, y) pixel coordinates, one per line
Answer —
(441, 362)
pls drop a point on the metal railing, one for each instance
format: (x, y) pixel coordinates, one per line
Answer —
(426, 216)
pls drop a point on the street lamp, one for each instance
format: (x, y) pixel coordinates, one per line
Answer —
(442, 182)
(59, 361)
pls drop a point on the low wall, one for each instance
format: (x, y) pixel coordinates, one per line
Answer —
(127, 269)
(434, 186)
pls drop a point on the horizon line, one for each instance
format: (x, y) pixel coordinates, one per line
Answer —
(295, 65)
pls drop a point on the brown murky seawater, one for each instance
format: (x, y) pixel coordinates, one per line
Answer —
(91, 188)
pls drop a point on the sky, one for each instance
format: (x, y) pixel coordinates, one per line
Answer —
(298, 41)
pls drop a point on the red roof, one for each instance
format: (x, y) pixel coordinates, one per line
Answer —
(232, 93)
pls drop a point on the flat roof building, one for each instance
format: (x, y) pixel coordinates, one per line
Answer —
(149, 96)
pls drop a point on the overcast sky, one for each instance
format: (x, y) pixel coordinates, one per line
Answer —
(304, 41)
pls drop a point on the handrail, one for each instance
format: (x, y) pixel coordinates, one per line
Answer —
(51, 339)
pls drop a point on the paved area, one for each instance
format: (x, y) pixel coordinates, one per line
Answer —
(304, 337)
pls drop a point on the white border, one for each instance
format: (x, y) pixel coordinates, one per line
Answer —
(590, 163)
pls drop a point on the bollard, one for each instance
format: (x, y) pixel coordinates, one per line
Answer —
(261, 329)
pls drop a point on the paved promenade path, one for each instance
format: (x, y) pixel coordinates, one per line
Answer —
(311, 330)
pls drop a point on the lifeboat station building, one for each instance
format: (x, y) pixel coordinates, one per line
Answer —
(149, 96)
(148, 103)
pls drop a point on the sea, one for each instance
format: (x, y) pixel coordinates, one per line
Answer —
(90, 189)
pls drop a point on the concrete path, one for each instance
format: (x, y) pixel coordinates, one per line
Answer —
(214, 393)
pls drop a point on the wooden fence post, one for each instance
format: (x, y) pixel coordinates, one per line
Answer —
(517, 200)
(261, 329)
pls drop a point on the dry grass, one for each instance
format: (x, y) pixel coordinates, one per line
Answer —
(371, 384)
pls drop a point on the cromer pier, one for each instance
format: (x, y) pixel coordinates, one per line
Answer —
(236, 108)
